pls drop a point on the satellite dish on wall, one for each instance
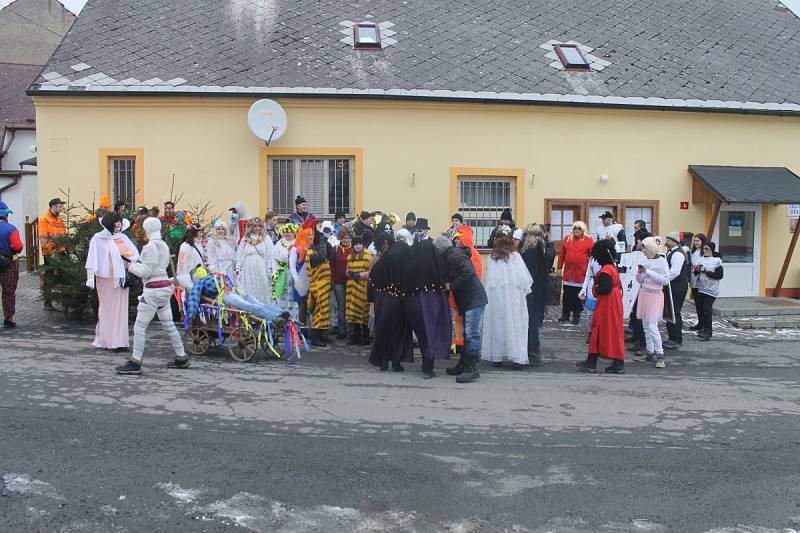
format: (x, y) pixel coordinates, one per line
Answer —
(267, 120)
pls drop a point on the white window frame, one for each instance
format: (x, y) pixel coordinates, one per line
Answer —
(488, 213)
(320, 211)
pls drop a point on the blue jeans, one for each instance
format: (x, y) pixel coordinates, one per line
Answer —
(535, 316)
(473, 324)
(339, 291)
(250, 305)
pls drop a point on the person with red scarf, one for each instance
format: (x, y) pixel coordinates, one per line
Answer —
(607, 337)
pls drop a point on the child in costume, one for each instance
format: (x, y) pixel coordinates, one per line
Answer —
(357, 306)
(653, 275)
(281, 283)
(220, 253)
(253, 259)
(319, 292)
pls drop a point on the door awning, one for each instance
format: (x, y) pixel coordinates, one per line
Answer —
(749, 185)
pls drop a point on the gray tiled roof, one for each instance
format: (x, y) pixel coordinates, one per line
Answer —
(750, 185)
(695, 53)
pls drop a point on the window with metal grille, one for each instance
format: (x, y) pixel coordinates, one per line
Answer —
(325, 183)
(481, 200)
(123, 181)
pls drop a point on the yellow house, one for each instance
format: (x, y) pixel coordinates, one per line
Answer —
(442, 107)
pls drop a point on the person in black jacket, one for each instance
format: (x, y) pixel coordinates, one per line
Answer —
(505, 220)
(362, 227)
(534, 254)
(471, 300)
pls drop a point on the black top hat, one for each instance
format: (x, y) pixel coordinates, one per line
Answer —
(56, 201)
(607, 214)
(422, 225)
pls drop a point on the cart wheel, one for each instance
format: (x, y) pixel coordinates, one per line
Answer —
(242, 344)
(278, 338)
(197, 341)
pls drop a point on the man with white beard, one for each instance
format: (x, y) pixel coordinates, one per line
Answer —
(154, 301)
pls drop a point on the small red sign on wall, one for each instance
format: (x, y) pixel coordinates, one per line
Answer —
(684, 205)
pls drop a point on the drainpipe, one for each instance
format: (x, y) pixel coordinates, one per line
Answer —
(9, 186)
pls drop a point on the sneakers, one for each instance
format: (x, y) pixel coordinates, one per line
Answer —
(660, 363)
(129, 368)
(8, 323)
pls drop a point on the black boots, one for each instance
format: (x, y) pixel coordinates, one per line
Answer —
(616, 367)
(589, 365)
(470, 370)
(323, 336)
(459, 368)
(365, 336)
(315, 338)
(534, 358)
(355, 335)
(576, 318)
(342, 334)
(564, 317)
(427, 368)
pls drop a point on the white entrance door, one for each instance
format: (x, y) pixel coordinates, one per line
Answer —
(738, 238)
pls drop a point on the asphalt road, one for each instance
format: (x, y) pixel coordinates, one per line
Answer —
(710, 444)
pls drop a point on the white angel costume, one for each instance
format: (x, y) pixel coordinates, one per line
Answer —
(220, 253)
(253, 260)
(505, 323)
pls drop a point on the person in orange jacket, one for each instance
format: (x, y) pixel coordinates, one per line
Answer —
(50, 226)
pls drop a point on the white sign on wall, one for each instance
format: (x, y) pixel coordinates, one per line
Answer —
(793, 210)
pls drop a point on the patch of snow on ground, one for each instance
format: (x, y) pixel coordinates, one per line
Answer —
(23, 484)
(178, 492)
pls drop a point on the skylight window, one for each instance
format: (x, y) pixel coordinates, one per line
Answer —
(367, 35)
(571, 57)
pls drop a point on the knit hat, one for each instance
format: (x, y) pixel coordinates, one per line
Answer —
(299, 200)
(4, 210)
(674, 236)
(457, 216)
(506, 215)
(654, 245)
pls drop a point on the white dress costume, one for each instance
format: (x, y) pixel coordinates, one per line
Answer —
(221, 255)
(154, 301)
(253, 260)
(505, 323)
(189, 256)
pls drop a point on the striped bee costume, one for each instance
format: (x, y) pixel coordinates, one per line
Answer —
(319, 293)
(356, 304)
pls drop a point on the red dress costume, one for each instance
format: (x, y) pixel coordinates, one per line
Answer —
(607, 339)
